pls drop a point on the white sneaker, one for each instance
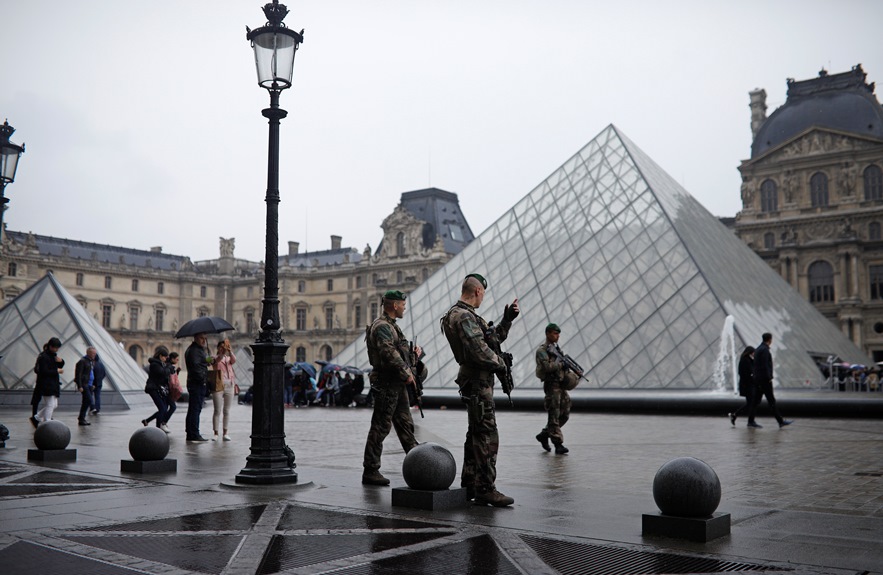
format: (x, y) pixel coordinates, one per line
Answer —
(215, 437)
(227, 438)
(164, 428)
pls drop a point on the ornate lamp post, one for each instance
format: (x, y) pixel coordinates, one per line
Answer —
(270, 460)
(9, 154)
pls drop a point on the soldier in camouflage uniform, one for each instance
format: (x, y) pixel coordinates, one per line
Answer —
(465, 331)
(387, 350)
(557, 401)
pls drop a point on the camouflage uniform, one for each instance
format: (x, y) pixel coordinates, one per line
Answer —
(557, 401)
(465, 331)
(386, 343)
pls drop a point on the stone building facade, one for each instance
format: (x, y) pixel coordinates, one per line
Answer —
(326, 297)
(812, 198)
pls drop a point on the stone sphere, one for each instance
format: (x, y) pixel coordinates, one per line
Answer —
(52, 434)
(429, 467)
(149, 444)
(687, 487)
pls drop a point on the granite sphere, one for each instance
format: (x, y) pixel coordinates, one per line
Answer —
(687, 487)
(429, 467)
(149, 444)
(52, 434)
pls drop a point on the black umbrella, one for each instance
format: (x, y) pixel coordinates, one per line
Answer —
(204, 324)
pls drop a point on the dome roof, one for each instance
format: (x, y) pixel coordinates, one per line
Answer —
(842, 102)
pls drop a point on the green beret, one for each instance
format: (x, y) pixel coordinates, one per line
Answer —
(553, 327)
(394, 295)
(480, 278)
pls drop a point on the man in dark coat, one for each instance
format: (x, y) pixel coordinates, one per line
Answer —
(197, 360)
(84, 376)
(763, 378)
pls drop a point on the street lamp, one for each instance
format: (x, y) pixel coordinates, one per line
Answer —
(9, 154)
(271, 461)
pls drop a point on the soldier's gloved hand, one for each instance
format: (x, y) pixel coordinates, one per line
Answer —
(510, 312)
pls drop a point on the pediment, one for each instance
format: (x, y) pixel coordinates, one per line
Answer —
(400, 218)
(815, 142)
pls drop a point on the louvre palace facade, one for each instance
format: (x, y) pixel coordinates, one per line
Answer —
(141, 297)
(812, 197)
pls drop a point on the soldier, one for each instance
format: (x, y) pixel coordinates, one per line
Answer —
(466, 332)
(390, 374)
(550, 369)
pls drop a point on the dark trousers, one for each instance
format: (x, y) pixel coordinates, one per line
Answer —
(759, 392)
(86, 404)
(165, 407)
(96, 401)
(194, 409)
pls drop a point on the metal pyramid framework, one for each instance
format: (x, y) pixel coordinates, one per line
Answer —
(47, 310)
(651, 291)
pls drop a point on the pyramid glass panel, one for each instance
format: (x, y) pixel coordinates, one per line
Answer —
(640, 277)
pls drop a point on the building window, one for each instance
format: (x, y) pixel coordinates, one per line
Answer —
(300, 319)
(358, 282)
(873, 177)
(374, 279)
(250, 292)
(357, 316)
(12, 268)
(250, 326)
(160, 316)
(330, 285)
(425, 274)
(108, 282)
(301, 286)
(821, 282)
(202, 312)
(134, 285)
(160, 288)
(398, 277)
(326, 352)
(874, 231)
(300, 354)
(818, 188)
(769, 241)
(203, 291)
(400, 244)
(133, 318)
(373, 310)
(106, 311)
(79, 279)
(876, 275)
(769, 197)
(329, 317)
(135, 352)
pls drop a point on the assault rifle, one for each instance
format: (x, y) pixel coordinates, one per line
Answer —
(567, 361)
(415, 391)
(493, 342)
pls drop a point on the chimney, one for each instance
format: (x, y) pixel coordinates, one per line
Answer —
(156, 249)
(292, 248)
(335, 242)
(758, 110)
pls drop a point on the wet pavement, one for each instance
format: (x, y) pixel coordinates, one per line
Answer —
(804, 499)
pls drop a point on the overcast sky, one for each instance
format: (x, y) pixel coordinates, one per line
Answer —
(143, 125)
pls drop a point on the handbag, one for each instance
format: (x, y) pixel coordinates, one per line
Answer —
(219, 380)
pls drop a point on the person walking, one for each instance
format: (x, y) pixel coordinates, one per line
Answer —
(747, 386)
(551, 371)
(466, 333)
(222, 396)
(173, 396)
(157, 387)
(390, 374)
(84, 376)
(98, 374)
(49, 366)
(197, 360)
(763, 377)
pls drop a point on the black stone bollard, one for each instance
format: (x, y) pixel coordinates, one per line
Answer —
(149, 447)
(429, 469)
(52, 438)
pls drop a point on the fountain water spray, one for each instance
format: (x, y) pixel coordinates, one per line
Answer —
(726, 358)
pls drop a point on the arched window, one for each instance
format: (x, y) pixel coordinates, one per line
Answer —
(873, 177)
(769, 241)
(821, 282)
(818, 188)
(136, 353)
(12, 268)
(326, 352)
(300, 354)
(874, 231)
(400, 244)
(769, 197)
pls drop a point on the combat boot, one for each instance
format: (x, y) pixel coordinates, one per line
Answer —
(494, 498)
(543, 438)
(560, 449)
(374, 478)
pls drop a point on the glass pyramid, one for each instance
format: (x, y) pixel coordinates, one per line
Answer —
(650, 290)
(47, 310)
